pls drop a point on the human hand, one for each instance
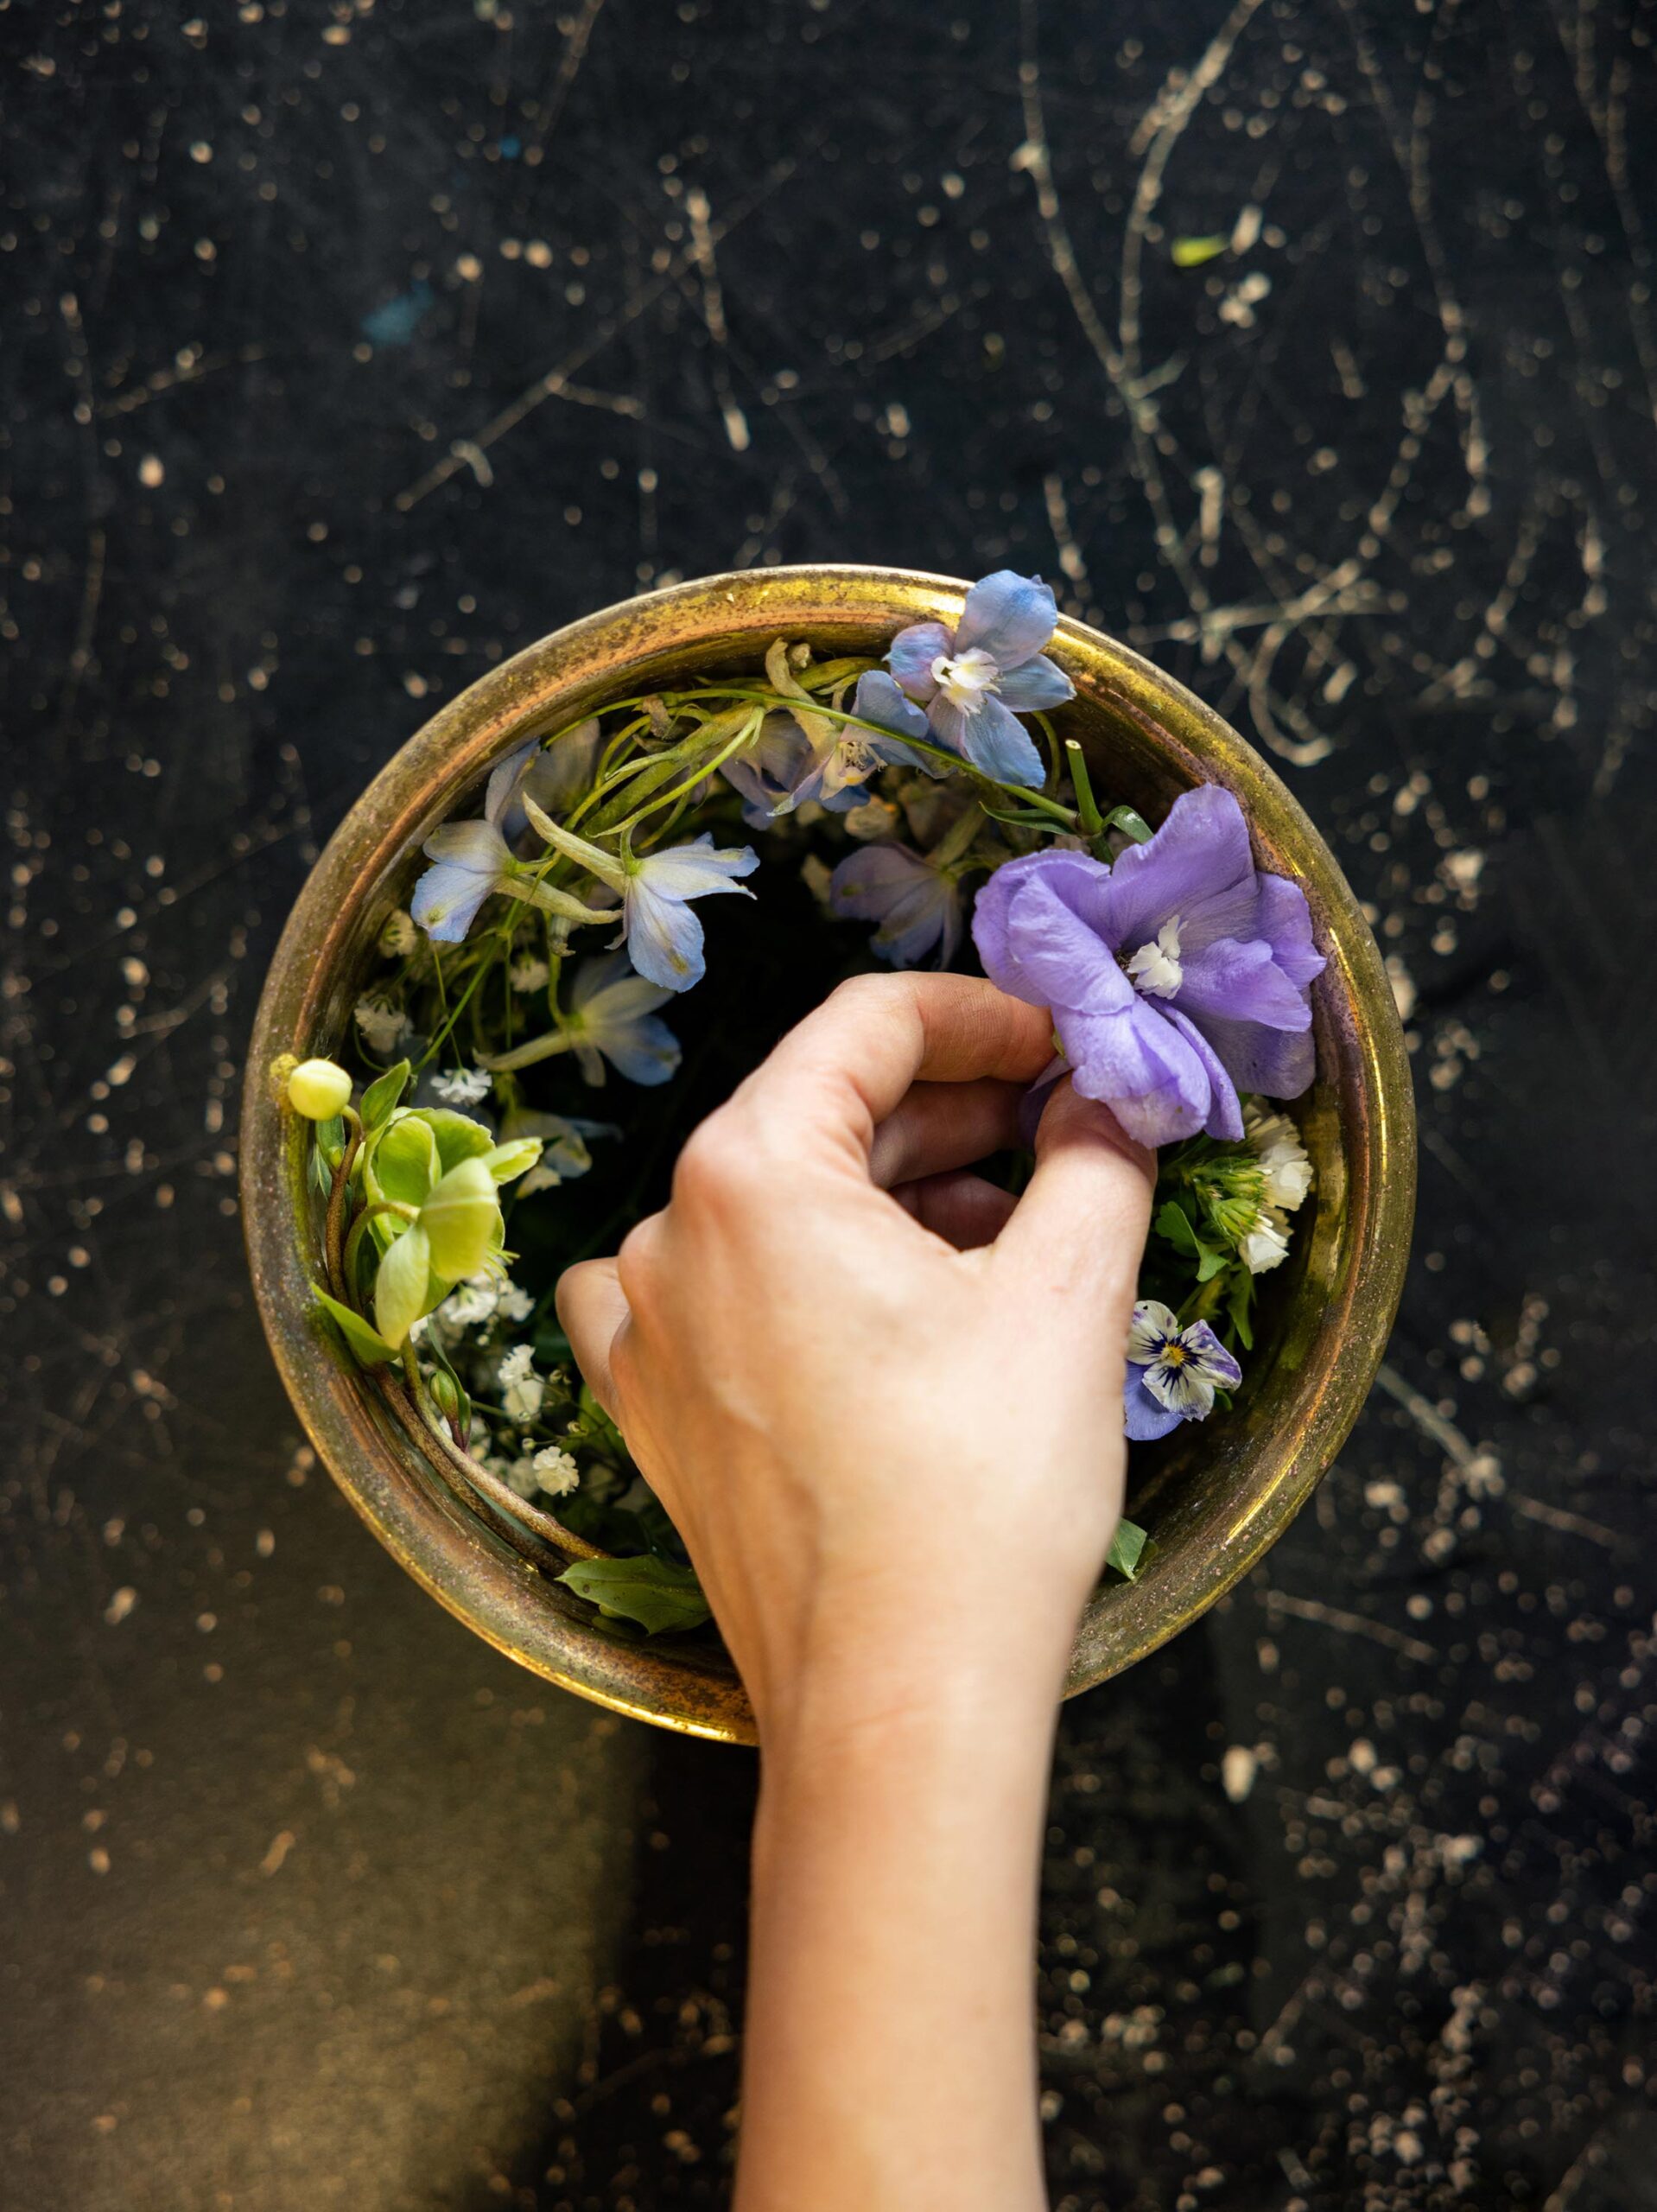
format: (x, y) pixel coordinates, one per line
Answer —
(881, 1400)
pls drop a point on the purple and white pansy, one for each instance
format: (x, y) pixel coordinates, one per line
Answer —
(1172, 1373)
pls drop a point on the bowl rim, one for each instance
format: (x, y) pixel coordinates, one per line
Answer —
(449, 1552)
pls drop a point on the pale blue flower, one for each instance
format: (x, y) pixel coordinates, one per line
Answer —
(976, 680)
(916, 904)
(660, 931)
(1172, 1373)
(472, 861)
(612, 1016)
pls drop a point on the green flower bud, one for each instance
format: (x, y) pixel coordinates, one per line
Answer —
(445, 1395)
(319, 1090)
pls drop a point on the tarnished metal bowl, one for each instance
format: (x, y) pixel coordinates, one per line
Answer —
(1222, 1492)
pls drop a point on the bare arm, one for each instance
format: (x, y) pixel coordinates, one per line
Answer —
(883, 1405)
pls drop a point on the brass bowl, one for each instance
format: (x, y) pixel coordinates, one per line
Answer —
(1218, 1495)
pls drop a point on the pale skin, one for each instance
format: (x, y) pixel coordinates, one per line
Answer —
(882, 1403)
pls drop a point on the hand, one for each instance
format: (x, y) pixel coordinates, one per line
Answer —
(883, 1403)
(881, 1400)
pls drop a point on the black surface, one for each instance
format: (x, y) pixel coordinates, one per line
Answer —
(352, 349)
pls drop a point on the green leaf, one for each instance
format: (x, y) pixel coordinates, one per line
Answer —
(458, 1136)
(383, 1094)
(401, 1162)
(1237, 1306)
(461, 1218)
(1130, 823)
(401, 1285)
(515, 1158)
(1127, 1549)
(1174, 1223)
(654, 1592)
(369, 1348)
(1191, 253)
(1210, 1263)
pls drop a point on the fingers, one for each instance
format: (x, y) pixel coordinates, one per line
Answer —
(1081, 1221)
(963, 1210)
(591, 1310)
(945, 1125)
(848, 1066)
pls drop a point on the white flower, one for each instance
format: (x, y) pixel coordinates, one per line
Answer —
(514, 1302)
(521, 1475)
(473, 1302)
(1264, 1243)
(1285, 1168)
(1155, 968)
(522, 1389)
(463, 1086)
(382, 1027)
(528, 975)
(398, 937)
(555, 1470)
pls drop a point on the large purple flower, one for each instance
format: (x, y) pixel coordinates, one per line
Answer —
(976, 680)
(1176, 978)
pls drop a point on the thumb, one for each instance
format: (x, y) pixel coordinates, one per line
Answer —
(1081, 1224)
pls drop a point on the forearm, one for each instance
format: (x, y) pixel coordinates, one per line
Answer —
(890, 2041)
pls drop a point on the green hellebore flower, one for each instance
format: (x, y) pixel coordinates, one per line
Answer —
(319, 1090)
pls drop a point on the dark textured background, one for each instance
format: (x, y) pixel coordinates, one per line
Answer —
(352, 346)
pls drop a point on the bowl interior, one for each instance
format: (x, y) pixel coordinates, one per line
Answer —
(1214, 1496)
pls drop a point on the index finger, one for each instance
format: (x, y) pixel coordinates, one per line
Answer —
(849, 1064)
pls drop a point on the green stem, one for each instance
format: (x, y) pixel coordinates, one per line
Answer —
(354, 1240)
(333, 1247)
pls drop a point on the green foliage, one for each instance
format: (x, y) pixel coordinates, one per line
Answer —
(661, 1597)
(1128, 1548)
(367, 1346)
(382, 1095)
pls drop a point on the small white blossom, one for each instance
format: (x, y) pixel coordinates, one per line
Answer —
(517, 1364)
(528, 975)
(1286, 1170)
(514, 1302)
(522, 1476)
(555, 1470)
(382, 1027)
(1265, 1245)
(522, 1389)
(463, 1086)
(399, 938)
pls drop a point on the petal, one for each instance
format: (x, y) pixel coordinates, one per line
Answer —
(1035, 946)
(693, 871)
(1137, 1063)
(1035, 685)
(500, 796)
(1225, 1107)
(877, 700)
(664, 938)
(1197, 866)
(911, 655)
(1143, 1417)
(646, 1051)
(1007, 616)
(1183, 1390)
(1278, 1062)
(477, 845)
(995, 742)
(1153, 1326)
(446, 901)
(562, 772)
(1034, 1103)
(1241, 983)
(1285, 924)
(1210, 1357)
(865, 885)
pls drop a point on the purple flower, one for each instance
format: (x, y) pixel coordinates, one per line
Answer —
(1176, 978)
(972, 681)
(916, 904)
(1172, 1373)
(786, 766)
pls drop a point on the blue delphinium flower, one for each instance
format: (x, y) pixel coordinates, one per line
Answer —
(660, 931)
(917, 903)
(976, 679)
(1176, 978)
(472, 861)
(612, 1016)
(1172, 1373)
(804, 756)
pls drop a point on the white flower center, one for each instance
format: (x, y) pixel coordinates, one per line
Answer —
(967, 680)
(1155, 967)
